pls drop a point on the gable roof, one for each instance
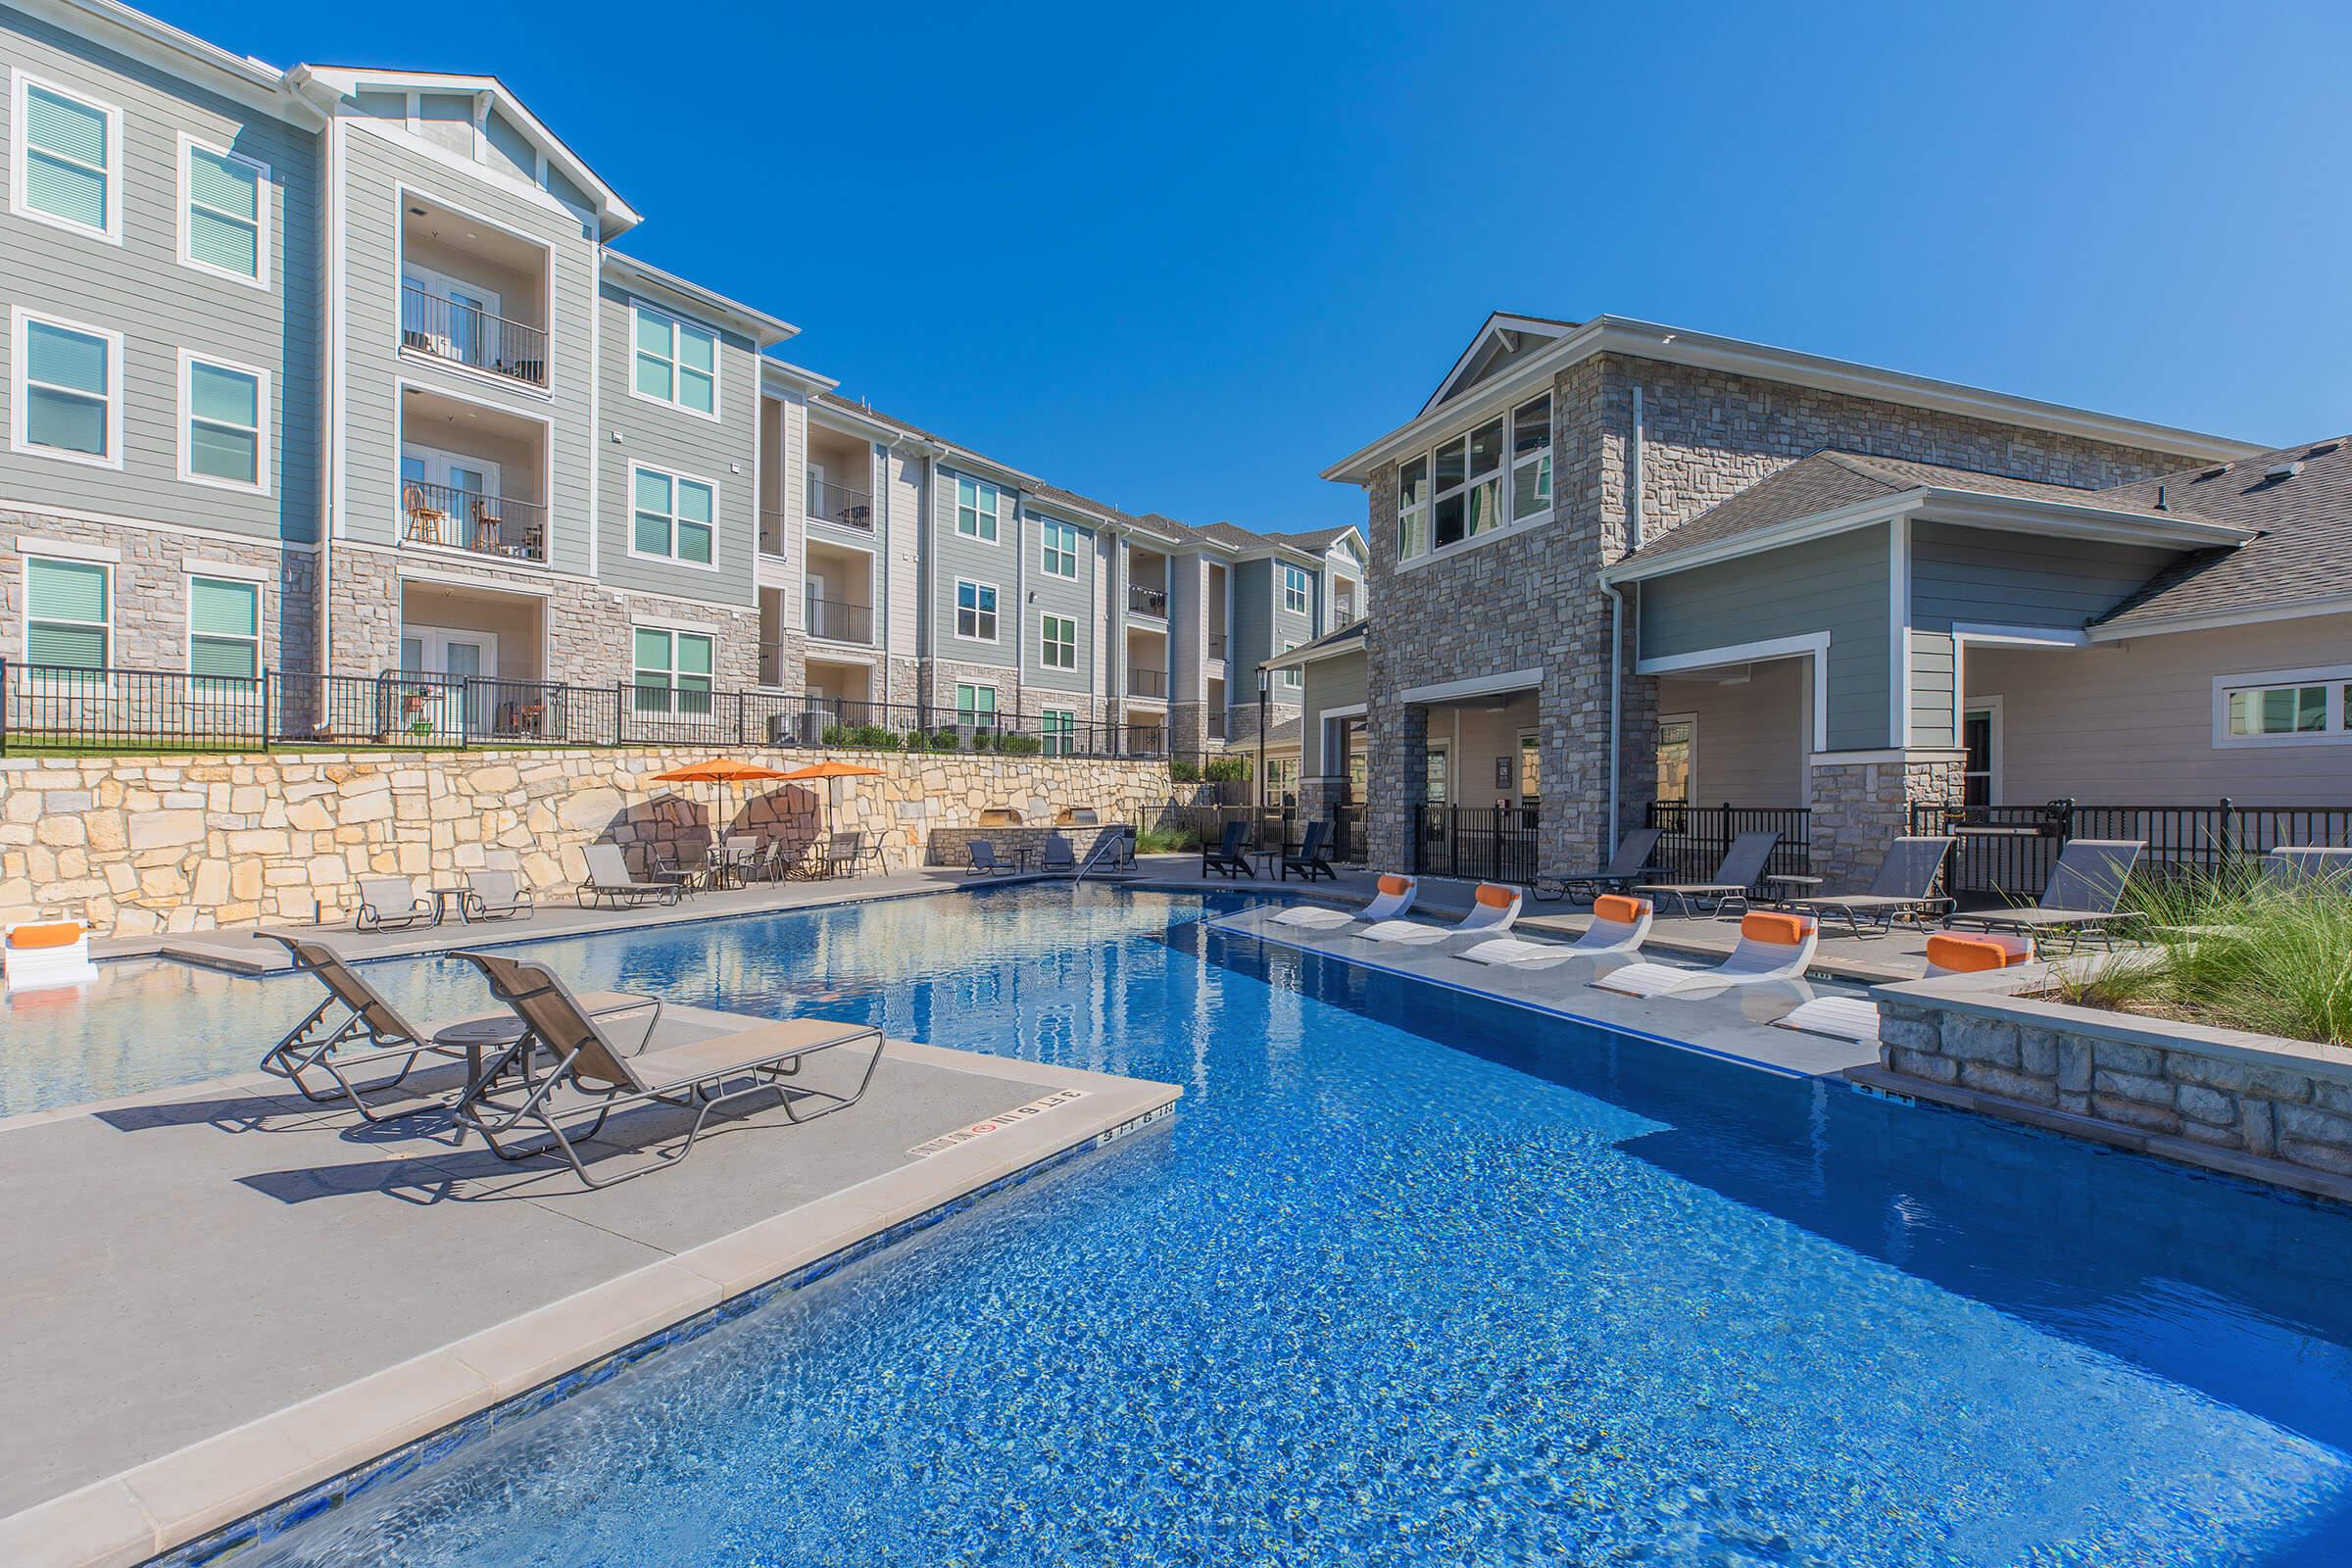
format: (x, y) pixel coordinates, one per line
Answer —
(1317, 540)
(2300, 563)
(1505, 337)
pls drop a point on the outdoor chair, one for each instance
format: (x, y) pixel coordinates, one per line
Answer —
(1492, 909)
(1058, 856)
(984, 861)
(1392, 896)
(1742, 864)
(1627, 865)
(609, 881)
(736, 854)
(2084, 888)
(1312, 861)
(1620, 925)
(495, 896)
(1228, 860)
(850, 849)
(390, 904)
(1949, 953)
(673, 871)
(1904, 889)
(1772, 945)
(1115, 846)
(2307, 867)
(687, 1066)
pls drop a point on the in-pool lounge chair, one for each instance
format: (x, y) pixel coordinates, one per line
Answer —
(984, 861)
(2084, 888)
(1227, 857)
(608, 880)
(1620, 924)
(1949, 953)
(1904, 889)
(495, 896)
(1492, 909)
(1742, 863)
(593, 1075)
(1772, 945)
(1630, 864)
(391, 904)
(1312, 860)
(357, 1029)
(1392, 896)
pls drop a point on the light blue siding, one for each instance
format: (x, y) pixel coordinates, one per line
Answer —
(994, 562)
(1072, 599)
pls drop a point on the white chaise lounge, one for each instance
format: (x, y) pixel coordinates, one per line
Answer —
(1492, 910)
(1620, 924)
(1770, 947)
(1949, 953)
(1394, 897)
(35, 955)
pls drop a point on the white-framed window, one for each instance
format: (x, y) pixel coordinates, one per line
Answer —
(1059, 558)
(673, 516)
(1677, 756)
(670, 671)
(68, 391)
(1298, 590)
(676, 362)
(224, 629)
(67, 167)
(223, 423)
(975, 611)
(1531, 457)
(1058, 642)
(2284, 708)
(976, 705)
(223, 213)
(1290, 678)
(1458, 490)
(1057, 728)
(976, 509)
(69, 612)
(1413, 508)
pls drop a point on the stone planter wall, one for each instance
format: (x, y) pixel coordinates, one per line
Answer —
(139, 845)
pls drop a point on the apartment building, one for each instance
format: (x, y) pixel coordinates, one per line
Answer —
(340, 370)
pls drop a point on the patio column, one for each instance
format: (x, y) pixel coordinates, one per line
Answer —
(1861, 801)
(1396, 772)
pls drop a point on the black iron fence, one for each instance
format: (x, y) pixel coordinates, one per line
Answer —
(2006, 852)
(1271, 828)
(1696, 837)
(1492, 843)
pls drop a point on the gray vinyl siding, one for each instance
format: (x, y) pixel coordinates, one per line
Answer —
(140, 289)
(1340, 681)
(1836, 585)
(1932, 674)
(1252, 629)
(956, 556)
(1289, 627)
(1059, 595)
(723, 451)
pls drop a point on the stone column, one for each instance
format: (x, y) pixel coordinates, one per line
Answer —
(1395, 772)
(1862, 801)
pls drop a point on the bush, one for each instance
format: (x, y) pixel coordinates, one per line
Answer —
(1182, 771)
(1167, 841)
(862, 737)
(1019, 744)
(947, 740)
(1226, 769)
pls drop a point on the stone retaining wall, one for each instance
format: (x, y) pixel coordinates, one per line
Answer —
(139, 845)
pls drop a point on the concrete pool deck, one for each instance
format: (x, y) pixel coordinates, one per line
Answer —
(220, 1294)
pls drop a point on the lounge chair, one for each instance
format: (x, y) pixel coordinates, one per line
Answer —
(2305, 866)
(391, 904)
(371, 1030)
(2084, 888)
(1057, 855)
(1627, 867)
(984, 861)
(495, 896)
(850, 850)
(1619, 925)
(1227, 859)
(608, 880)
(1312, 861)
(1742, 866)
(1492, 909)
(1949, 953)
(684, 1067)
(1904, 889)
(37, 954)
(1390, 898)
(1121, 836)
(1772, 945)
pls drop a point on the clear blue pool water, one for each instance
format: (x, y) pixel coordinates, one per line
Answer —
(1416, 1279)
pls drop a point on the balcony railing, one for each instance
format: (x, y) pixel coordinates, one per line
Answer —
(1216, 645)
(1148, 601)
(500, 526)
(467, 336)
(840, 622)
(840, 506)
(1146, 682)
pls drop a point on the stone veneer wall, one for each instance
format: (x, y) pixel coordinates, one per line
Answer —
(139, 845)
(150, 587)
(1860, 807)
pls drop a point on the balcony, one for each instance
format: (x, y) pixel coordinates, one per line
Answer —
(1148, 682)
(1216, 645)
(837, 621)
(473, 295)
(471, 478)
(454, 519)
(1148, 601)
(475, 338)
(840, 506)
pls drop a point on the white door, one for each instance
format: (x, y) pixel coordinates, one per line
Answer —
(460, 694)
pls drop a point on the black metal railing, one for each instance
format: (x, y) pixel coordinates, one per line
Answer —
(2006, 852)
(467, 335)
(1697, 837)
(1491, 843)
(467, 519)
(840, 622)
(1145, 681)
(1216, 645)
(838, 505)
(1148, 601)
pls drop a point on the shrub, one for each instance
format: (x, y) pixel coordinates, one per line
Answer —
(1019, 744)
(862, 737)
(1167, 841)
(1226, 769)
(1182, 771)
(947, 740)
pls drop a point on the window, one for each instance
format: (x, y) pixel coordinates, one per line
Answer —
(975, 611)
(1290, 678)
(225, 216)
(1297, 592)
(1058, 728)
(225, 628)
(1457, 492)
(1281, 779)
(68, 610)
(221, 409)
(68, 391)
(976, 705)
(1413, 508)
(1060, 558)
(1678, 747)
(672, 671)
(1433, 776)
(1531, 769)
(1530, 458)
(2284, 708)
(676, 363)
(674, 518)
(1058, 642)
(975, 509)
(69, 159)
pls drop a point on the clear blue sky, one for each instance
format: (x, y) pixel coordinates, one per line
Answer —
(1181, 258)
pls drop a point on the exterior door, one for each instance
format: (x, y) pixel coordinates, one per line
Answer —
(1980, 738)
(460, 692)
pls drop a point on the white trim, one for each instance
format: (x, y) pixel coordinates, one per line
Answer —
(65, 549)
(449, 577)
(1898, 631)
(20, 422)
(1992, 759)
(675, 477)
(640, 306)
(695, 628)
(1345, 711)
(21, 148)
(995, 614)
(2220, 620)
(2335, 678)
(264, 435)
(996, 527)
(187, 616)
(24, 616)
(1043, 616)
(1046, 522)
(1883, 754)
(1516, 680)
(1691, 795)
(192, 566)
(1283, 573)
(1498, 322)
(1437, 552)
(1815, 645)
(265, 220)
(1965, 633)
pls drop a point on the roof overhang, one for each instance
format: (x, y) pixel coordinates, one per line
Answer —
(2116, 632)
(1970, 509)
(156, 43)
(793, 377)
(1617, 335)
(1347, 640)
(1510, 328)
(644, 277)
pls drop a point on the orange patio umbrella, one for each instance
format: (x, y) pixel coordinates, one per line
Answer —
(724, 773)
(829, 770)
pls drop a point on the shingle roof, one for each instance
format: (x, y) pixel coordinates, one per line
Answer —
(1317, 540)
(2304, 550)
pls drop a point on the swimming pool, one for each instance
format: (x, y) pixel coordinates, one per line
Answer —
(1411, 1278)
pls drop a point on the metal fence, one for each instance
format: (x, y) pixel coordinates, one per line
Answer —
(2006, 852)
(469, 335)
(1492, 843)
(1272, 828)
(1697, 837)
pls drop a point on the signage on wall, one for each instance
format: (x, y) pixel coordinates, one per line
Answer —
(1502, 773)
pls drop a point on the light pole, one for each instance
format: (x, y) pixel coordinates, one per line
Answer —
(1265, 681)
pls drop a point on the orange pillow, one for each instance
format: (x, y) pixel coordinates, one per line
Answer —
(1963, 954)
(1494, 897)
(55, 934)
(1395, 886)
(1620, 909)
(1782, 930)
